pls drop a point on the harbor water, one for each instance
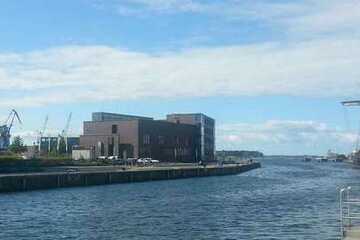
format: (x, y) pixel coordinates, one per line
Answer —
(285, 199)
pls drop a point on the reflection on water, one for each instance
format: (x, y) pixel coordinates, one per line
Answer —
(286, 199)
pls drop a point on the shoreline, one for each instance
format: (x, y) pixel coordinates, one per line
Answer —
(16, 182)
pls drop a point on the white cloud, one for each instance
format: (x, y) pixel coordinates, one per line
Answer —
(278, 136)
(327, 17)
(295, 17)
(93, 73)
(145, 7)
(314, 67)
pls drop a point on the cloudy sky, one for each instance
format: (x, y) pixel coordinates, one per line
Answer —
(272, 73)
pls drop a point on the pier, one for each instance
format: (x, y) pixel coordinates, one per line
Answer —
(350, 212)
(101, 176)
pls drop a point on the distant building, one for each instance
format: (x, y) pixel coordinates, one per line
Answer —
(129, 136)
(206, 131)
(50, 144)
(237, 155)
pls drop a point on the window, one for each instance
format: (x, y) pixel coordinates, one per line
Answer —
(161, 140)
(114, 129)
(187, 141)
(146, 139)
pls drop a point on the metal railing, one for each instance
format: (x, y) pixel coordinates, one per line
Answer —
(349, 210)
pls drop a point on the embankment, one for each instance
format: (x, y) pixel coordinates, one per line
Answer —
(35, 181)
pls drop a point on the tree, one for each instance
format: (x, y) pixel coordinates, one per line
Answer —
(17, 145)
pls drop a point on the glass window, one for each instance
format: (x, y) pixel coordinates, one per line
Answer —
(161, 140)
(114, 129)
(146, 139)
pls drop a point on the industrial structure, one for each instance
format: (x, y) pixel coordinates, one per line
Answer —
(179, 138)
(61, 143)
(52, 144)
(5, 130)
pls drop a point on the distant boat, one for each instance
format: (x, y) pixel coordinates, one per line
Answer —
(307, 159)
(321, 159)
(335, 157)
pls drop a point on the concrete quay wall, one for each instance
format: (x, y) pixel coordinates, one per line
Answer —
(36, 181)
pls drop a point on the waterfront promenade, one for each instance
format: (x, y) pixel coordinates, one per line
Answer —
(100, 175)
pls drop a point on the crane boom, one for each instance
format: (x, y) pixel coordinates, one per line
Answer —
(64, 133)
(67, 126)
(351, 103)
(45, 125)
(42, 132)
(13, 115)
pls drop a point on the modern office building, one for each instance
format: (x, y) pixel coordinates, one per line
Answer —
(206, 131)
(129, 136)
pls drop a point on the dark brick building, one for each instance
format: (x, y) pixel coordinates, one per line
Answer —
(206, 131)
(129, 136)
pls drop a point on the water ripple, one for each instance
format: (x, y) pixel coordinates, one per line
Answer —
(286, 199)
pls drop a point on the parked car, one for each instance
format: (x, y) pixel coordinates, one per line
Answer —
(154, 161)
(143, 161)
(113, 157)
(140, 160)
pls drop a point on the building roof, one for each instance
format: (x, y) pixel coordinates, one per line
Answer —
(106, 116)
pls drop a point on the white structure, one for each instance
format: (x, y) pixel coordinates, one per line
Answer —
(83, 154)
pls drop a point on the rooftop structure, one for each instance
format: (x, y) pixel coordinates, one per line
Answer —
(104, 116)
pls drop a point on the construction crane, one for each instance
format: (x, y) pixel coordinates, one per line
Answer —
(42, 132)
(63, 135)
(351, 103)
(5, 129)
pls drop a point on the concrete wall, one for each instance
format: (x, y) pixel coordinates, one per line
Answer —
(25, 182)
(85, 154)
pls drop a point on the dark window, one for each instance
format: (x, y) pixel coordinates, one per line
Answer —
(177, 140)
(161, 140)
(114, 129)
(146, 139)
(101, 148)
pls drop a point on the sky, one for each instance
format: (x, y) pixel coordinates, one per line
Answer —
(271, 72)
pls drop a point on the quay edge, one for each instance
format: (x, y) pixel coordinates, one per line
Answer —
(37, 181)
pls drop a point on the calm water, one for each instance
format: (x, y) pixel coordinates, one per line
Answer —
(286, 199)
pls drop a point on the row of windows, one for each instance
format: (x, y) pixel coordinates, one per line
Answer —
(162, 140)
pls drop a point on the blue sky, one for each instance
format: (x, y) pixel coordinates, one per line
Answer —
(272, 73)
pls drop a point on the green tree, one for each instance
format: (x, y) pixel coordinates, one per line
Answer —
(17, 145)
